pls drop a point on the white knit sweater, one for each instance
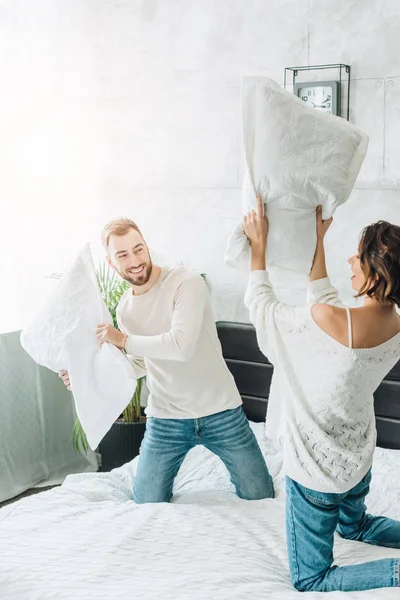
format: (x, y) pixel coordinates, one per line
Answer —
(321, 397)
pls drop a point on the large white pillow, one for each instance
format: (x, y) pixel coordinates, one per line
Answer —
(296, 158)
(63, 336)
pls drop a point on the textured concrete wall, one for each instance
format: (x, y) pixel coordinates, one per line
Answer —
(132, 107)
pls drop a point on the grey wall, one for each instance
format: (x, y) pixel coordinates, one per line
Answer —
(132, 107)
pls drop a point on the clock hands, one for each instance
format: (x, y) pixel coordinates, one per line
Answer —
(320, 105)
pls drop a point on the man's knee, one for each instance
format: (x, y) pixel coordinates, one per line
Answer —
(259, 489)
(150, 499)
(153, 496)
(151, 486)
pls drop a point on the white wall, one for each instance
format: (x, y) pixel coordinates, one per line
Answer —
(132, 107)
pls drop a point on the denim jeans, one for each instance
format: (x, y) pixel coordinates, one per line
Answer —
(311, 520)
(227, 434)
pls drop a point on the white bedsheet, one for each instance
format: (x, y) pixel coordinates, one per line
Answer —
(87, 539)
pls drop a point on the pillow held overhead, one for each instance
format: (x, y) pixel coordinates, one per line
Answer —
(296, 158)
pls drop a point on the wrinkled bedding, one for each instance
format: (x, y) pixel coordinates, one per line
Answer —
(88, 540)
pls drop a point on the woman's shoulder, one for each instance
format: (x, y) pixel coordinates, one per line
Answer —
(333, 320)
(360, 328)
(327, 313)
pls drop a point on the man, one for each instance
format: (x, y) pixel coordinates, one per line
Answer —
(169, 334)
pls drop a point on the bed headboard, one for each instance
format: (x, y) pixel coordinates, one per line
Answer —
(253, 372)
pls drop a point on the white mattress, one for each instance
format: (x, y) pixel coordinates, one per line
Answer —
(87, 539)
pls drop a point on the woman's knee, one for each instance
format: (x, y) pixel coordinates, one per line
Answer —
(310, 584)
(353, 531)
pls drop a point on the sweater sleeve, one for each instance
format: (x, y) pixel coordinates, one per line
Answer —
(321, 291)
(138, 365)
(180, 342)
(267, 313)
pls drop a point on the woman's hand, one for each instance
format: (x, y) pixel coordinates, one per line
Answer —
(318, 270)
(108, 333)
(255, 226)
(322, 226)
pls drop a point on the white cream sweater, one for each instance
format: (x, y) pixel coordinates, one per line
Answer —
(173, 340)
(321, 397)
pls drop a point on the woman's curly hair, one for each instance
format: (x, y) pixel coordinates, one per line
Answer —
(379, 252)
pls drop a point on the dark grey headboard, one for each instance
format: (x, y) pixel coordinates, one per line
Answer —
(253, 372)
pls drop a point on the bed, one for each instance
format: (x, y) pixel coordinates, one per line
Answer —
(88, 540)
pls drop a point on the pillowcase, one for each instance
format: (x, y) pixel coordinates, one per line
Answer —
(296, 158)
(63, 336)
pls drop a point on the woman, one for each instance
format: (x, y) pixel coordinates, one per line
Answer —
(328, 361)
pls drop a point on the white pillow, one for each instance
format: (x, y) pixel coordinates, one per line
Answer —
(63, 336)
(296, 158)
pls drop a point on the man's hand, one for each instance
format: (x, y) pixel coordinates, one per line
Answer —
(322, 226)
(64, 375)
(255, 226)
(108, 333)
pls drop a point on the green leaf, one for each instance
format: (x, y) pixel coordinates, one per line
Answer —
(133, 411)
(79, 439)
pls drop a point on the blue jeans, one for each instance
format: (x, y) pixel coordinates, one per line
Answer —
(311, 520)
(227, 434)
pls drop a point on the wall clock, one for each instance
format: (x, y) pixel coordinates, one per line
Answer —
(321, 95)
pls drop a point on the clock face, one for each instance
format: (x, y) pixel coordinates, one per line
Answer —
(319, 97)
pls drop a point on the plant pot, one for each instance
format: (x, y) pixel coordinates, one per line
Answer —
(121, 444)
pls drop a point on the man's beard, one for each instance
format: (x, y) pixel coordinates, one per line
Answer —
(140, 279)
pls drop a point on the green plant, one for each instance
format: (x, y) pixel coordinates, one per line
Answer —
(111, 288)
